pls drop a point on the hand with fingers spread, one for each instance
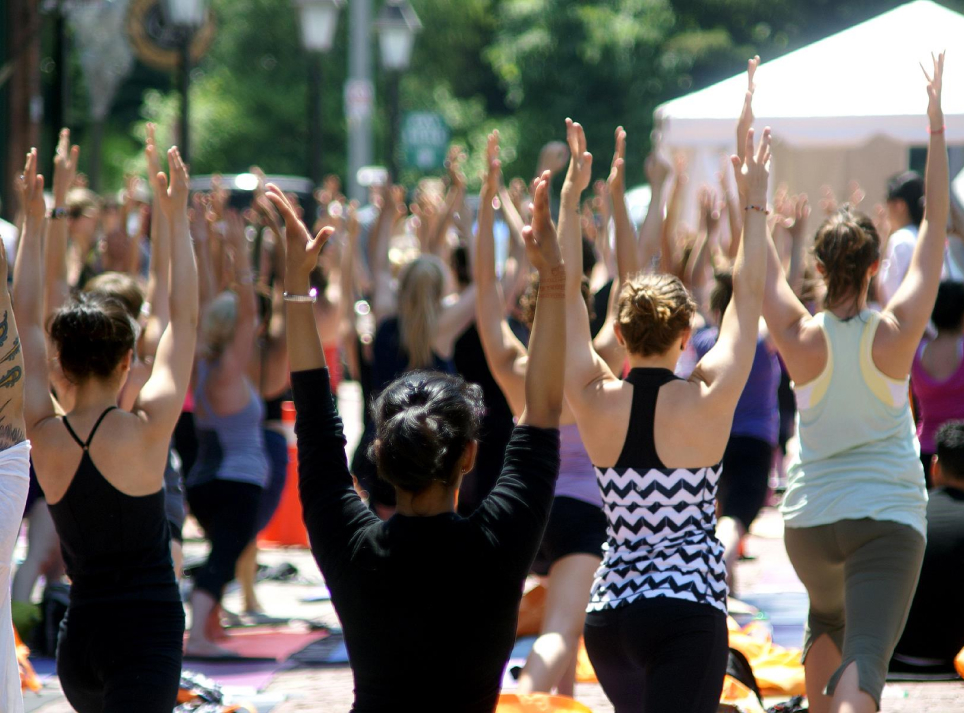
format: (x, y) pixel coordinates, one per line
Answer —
(65, 168)
(493, 168)
(31, 189)
(935, 82)
(746, 116)
(542, 246)
(580, 163)
(617, 171)
(174, 193)
(301, 249)
(801, 213)
(754, 170)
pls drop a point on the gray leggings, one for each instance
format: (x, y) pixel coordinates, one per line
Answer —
(861, 576)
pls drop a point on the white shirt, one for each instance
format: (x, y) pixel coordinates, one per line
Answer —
(900, 250)
(9, 235)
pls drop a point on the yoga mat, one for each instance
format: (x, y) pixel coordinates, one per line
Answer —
(36, 701)
(328, 651)
(319, 594)
(787, 614)
(265, 642)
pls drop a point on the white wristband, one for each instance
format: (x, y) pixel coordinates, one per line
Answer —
(311, 297)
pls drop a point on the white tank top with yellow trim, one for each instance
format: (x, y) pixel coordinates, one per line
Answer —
(859, 456)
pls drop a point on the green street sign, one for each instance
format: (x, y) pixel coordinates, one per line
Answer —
(425, 140)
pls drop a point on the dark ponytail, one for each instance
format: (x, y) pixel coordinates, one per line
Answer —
(424, 420)
(847, 245)
(92, 335)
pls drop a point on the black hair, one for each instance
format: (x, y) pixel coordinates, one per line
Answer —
(92, 335)
(424, 420)
(948, 311)
(950, 449)
(589, 258)
(909, 188)
(722, 292)
(460, 265)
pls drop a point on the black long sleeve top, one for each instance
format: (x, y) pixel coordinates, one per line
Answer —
(422, 598)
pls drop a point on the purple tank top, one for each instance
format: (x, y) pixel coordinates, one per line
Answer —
(940, 401)
(577, 478)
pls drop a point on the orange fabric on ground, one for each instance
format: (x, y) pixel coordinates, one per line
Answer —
(28, 677)
(539, 703)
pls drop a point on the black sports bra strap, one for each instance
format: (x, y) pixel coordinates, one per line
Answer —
(100, 420)
(73, 433)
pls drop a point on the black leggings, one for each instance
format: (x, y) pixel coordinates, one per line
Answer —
(121, 657)
(227, 510)
(659, 655)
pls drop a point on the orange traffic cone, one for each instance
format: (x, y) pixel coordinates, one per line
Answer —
(287, 527)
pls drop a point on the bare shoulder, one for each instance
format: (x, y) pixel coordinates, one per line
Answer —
(603, 418)
(805, 353)
(687, 434)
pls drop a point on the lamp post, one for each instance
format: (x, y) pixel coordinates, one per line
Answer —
(187, 16)
(319, 20)
(397, 25)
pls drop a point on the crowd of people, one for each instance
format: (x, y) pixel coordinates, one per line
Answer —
(550, 389)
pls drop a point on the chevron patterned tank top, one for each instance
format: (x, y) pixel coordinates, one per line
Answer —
(661, 534)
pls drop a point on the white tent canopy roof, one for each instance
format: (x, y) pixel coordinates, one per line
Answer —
(843, 90)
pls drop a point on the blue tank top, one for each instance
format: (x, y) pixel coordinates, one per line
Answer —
(230, 447)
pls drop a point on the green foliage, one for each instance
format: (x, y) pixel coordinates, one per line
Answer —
(520, 66)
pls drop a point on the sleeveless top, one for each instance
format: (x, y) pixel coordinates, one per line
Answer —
(390, 360)
(576, 474)
(229, 447)
(940, 401)
(116, 547)
(661, 535)
(859, 456)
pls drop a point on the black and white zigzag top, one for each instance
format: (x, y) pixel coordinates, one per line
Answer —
(661, 539)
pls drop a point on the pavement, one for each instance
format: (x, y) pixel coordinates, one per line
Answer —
(767, 576)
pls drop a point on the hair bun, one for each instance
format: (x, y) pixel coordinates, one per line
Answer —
(92, 335)
(654, 310)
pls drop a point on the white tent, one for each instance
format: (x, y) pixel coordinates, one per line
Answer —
(847, 107)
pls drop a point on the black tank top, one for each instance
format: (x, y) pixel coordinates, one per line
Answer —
(639, 450)
(115, 546)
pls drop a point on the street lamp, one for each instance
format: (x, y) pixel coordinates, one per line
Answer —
(187, 16)
(319, 19)
(397, 25)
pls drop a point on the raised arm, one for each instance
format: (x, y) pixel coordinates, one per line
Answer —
(503, 352)
(12, 386)
(627, 254)
(798, 243)
(909, 310)
(28, 296)
(237, 355)
(159, 280)
(383, 296)
(162, 397)
(584, 367)
(743, 125)
(332, 509)
(547, 341)
(723, 372)
(56, 286)
(668, 262)
(651, 231)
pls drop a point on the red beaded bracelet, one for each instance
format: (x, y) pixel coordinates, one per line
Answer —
(936, 131)
(758, 208)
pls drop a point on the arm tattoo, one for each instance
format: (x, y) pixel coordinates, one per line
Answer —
(14, 351)
(11, 378)
(4, 328)
(9, 435)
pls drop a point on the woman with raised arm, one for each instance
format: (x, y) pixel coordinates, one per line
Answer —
(418, 324)
(121, 640)
(225, 486)
(571, 547)
(855, 505)
(657, 609)
(384, 576)
(14, 459)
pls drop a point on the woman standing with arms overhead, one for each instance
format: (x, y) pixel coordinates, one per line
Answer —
(14, 462)
(102, 471)
(656, 628)
(855, 506)
(396, 603)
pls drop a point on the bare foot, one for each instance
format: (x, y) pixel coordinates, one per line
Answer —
(208, 649)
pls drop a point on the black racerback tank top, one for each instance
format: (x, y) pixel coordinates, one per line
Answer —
(116, 547)
(639, 449)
